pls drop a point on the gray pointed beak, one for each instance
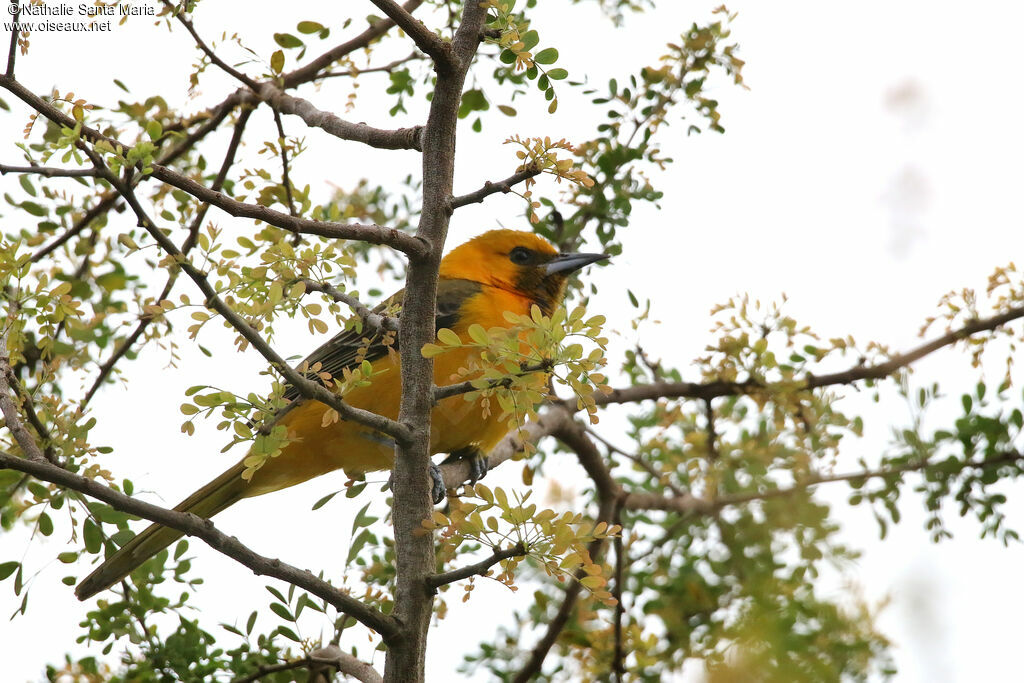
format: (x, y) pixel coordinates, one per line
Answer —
(567, 263)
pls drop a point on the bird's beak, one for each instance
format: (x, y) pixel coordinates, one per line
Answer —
(567, 263)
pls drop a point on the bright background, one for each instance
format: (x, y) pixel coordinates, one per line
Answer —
(874, 164)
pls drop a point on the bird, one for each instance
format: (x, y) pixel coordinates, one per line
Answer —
(479, 281)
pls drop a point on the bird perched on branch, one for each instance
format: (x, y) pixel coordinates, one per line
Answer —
(499, 271)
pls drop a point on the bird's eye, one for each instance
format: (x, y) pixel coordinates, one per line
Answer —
(519, 256)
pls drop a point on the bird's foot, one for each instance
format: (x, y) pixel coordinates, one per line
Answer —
(477, 462)
(437, 488)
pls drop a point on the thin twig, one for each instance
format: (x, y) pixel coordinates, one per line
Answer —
(374, 321)
(284, 163)
(28, 405)
(478, 568)
(311, 71)
(449, 390)
(356, 71)
(49, 171)
(490, 188)
(211, 55)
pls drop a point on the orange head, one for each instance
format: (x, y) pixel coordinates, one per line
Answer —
(520, 262)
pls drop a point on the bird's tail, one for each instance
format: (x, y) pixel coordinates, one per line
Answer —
(218, 495)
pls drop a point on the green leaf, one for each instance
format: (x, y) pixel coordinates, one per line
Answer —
(557, 74)
(281, 611)
(546, 56)
(287, 40)
(45, 524)
(530, 40)
(310, 27)
(33, 208)
(7, 568)
(323, 501)
(26, 184)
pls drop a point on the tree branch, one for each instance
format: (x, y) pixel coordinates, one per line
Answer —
(478, 568)
(426, 40)
(192, 525)
(402, 138)
(858, 373)
(489, 188)
(48, 171)
(12, 50)
(374, 234)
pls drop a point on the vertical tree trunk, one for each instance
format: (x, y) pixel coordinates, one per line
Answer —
(415, 551)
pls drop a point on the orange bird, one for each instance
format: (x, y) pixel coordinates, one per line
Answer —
(499, 271)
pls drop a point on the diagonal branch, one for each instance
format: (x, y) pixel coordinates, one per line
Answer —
(204, 529)
(179, 14)
(308, 388)
(193, 234)
(489, 188)
(439, 50)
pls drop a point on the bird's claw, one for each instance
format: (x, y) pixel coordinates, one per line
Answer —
(437, 488)
(477, 462)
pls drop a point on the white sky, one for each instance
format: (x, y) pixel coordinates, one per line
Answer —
(862, 211)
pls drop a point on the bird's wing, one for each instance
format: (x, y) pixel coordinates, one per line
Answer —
(348, 348)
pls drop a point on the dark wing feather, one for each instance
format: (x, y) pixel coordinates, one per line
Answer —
(343, 350)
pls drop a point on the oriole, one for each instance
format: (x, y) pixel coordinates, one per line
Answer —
(501, 270)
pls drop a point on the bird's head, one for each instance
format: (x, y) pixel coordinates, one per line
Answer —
(521, 262)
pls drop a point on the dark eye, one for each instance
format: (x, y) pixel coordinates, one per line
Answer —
(519, 256)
